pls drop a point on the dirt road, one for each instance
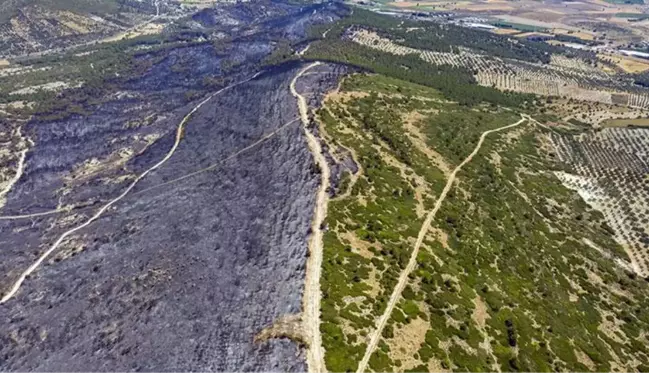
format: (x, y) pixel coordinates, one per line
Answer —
(301, 53)
(94, 217)
(220, 162)
(36, 214)
(19, 169)
(172, 181)
(412, 263)
(17, 176)
(312, 294)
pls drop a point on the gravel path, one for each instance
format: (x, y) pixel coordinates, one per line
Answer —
(312, 294)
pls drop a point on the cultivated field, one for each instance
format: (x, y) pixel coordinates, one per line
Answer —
(609, 170)
(626, 63)
(586, 19)
(569, 77)
(638, 122)
(594, 113)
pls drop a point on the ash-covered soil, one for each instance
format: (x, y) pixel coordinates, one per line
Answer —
(28, 27)
(180, 274)
(327, 78)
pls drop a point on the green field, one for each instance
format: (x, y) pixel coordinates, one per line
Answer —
(625, 1)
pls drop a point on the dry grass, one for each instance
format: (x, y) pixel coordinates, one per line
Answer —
(505, 31)
(71, 246)
(584, 359)
(408, 339)
(359, 246)
(596, 113)
(436, 366)
(148, 29)
(535, 22)
(93, 167)
(419, 141)
(611, 327)
(578, 34)
(528, 34)
(459, 5)
(75, 26)
(374, 283)
(641, 122)
(440, 236)
(287, 326)
(480, 313)
(486, 7)
(200, 4)
(338, 96)
(543, 15)
(408, 4)
(436, 4)
(554, 42)
(627, 63)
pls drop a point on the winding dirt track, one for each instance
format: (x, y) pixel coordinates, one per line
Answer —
(312, 294)
(36, 214)
(301, 53)
(412, 263)
(19, 170)
(17, 176)
(172, 181)
(94, 217)
(222, 161)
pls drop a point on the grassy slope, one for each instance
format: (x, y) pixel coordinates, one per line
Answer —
(514, 245)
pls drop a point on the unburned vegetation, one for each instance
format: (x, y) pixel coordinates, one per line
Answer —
(516, 273)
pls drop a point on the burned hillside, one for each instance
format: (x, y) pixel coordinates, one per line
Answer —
(182, 271)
